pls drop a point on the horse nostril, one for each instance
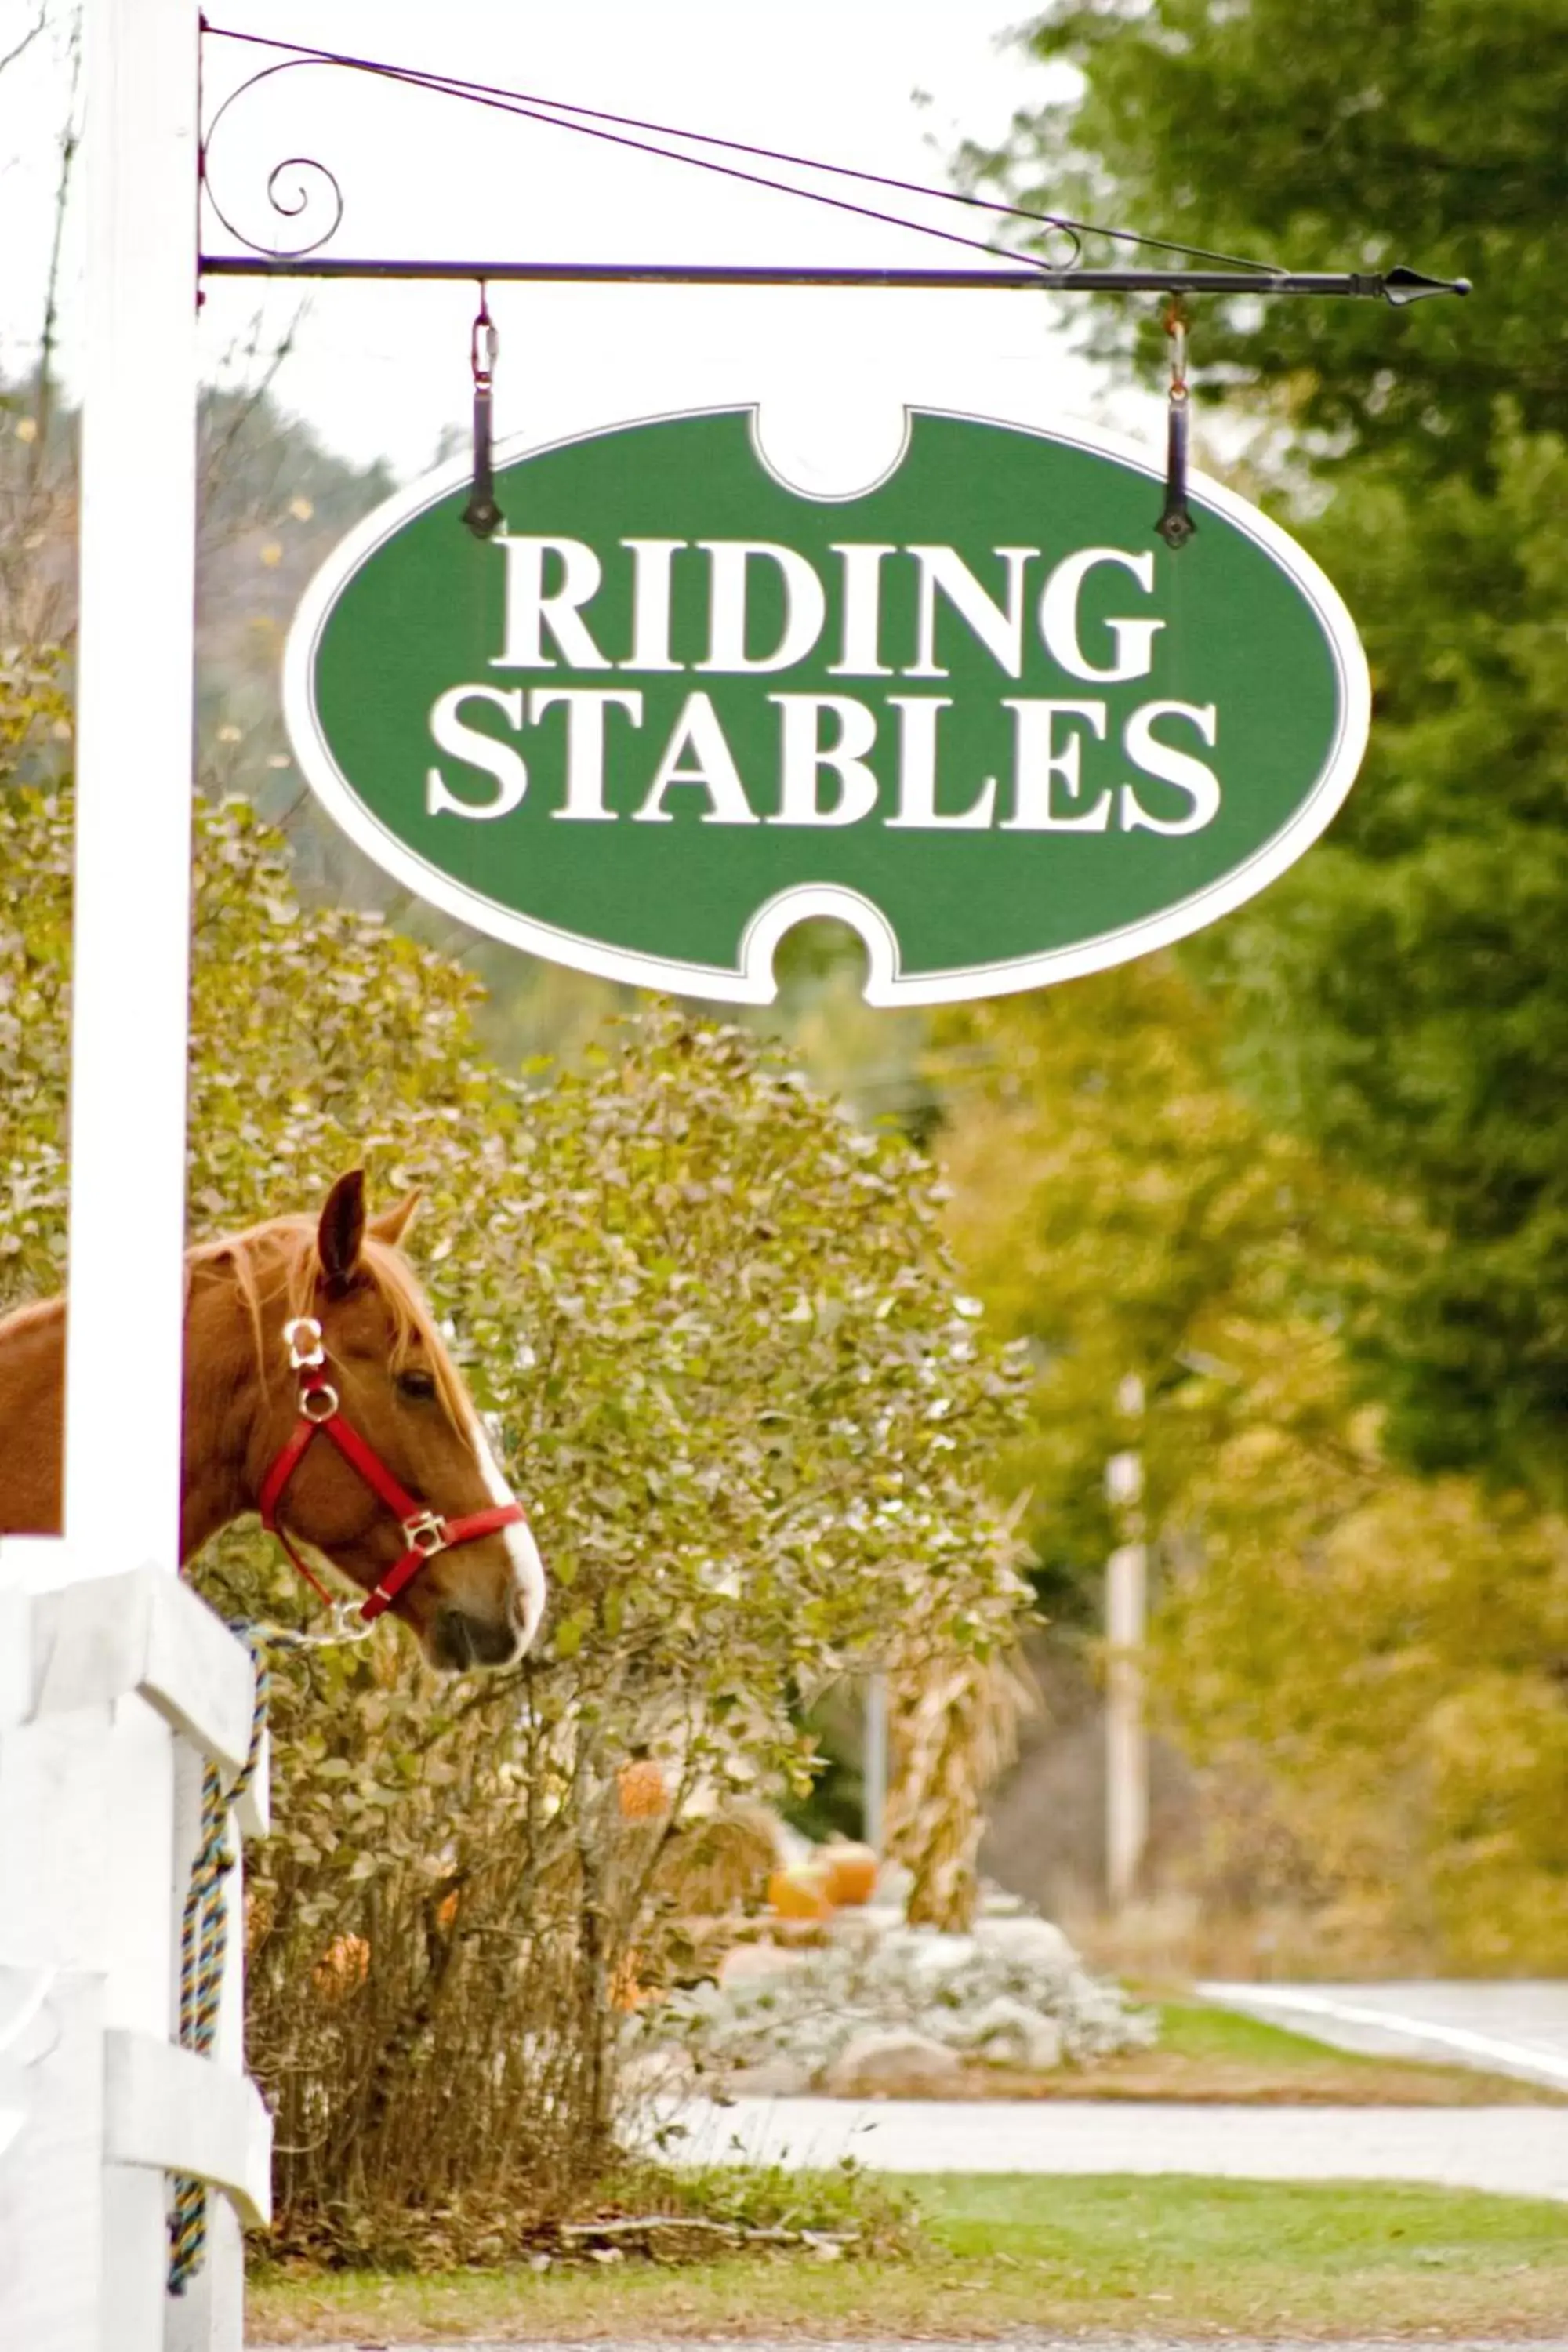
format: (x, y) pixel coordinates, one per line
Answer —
(461, 1641)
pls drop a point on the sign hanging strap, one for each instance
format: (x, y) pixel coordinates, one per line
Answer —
(481, 514)
(1175, 525)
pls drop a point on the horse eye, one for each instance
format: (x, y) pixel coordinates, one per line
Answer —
(415, 1383)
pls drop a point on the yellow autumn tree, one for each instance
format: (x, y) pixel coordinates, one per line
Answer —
(1369, 1670)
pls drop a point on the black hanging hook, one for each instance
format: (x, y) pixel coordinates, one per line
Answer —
(1175, 525)
(481, 514)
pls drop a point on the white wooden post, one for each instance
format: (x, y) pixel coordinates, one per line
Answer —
(136, 701)
(1126, 1609)
(113, 1668)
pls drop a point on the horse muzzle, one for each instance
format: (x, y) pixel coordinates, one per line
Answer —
(456, 1641)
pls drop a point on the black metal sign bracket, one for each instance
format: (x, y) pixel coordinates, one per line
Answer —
(307, 202)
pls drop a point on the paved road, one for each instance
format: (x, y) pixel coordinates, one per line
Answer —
(1507, 2029)
(1516, 2151)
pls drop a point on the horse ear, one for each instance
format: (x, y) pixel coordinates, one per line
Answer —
(393, 1223)
(341, 1229)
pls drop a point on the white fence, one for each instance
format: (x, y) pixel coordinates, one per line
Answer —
(114, 1693)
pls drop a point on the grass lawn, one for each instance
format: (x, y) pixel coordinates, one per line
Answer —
(1217, 2053)
(1126, 2256)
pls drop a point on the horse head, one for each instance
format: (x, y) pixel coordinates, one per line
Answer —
(365, 1450)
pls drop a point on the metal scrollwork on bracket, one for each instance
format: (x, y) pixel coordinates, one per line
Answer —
(298, 199)
(1067, 254)
(301, 188)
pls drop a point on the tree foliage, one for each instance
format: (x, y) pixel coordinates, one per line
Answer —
(750, 1413)
(1365, 1667)
(1400, 995)
(1126, 1214)
(1368, 1668)
(1379, 131)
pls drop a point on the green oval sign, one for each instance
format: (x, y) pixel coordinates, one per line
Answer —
(977, 710)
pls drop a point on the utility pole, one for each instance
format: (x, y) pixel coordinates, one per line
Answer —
(874, 1766)
(1126, 1614)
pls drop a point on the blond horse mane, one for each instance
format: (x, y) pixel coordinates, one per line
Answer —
(280, 1259)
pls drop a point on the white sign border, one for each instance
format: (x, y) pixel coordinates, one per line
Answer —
(752, 982)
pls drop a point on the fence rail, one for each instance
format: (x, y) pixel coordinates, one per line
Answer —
(114, 1690)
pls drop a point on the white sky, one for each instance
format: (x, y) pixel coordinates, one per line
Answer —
(381, 370)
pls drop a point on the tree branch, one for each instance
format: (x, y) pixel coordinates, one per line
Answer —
(26, 42)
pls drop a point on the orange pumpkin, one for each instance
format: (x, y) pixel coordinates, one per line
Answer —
(627, 1990)
(800, 1894)
(642, 1789)
(342, 1968)
(257, 1918)
(849, 1874)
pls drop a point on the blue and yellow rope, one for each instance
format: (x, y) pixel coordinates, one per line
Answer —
(204, 1943)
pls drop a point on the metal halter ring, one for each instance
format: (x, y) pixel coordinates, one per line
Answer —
(319, 1403)
(306, 1356)
(427, 1533)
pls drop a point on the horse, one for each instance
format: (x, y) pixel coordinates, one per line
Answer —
(320, 1394)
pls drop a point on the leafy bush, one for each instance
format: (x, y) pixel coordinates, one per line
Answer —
(723, 1345)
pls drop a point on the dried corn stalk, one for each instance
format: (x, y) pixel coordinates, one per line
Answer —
(954, 1729)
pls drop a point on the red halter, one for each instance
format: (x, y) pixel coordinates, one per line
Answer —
(425, 1531)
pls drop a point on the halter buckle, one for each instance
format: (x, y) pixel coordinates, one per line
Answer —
(319, 1403)
(426, 1533)
(306, 1353)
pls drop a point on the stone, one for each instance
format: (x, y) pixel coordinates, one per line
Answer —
(890, 2062)
(882, 2008)
(651, 2073)
(869, 1924)
(935, 1954)
(1010, 2033)
(771, 2078)
(1026, 1943)
(744, 1963)
(894, 1886)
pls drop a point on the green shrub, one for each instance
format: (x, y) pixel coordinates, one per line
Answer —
(720, 1337)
